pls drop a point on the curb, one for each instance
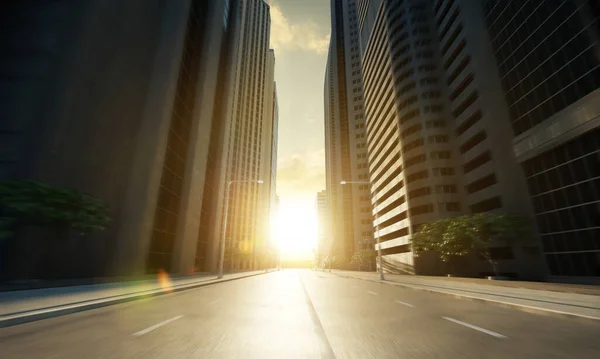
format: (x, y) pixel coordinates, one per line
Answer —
(522, 307)
(46, 313)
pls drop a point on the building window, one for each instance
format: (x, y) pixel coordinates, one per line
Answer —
(486, 205)
(445, 189)
(451, 206)
(477, 162)
(442, 171)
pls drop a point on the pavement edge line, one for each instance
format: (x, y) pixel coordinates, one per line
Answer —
(41, 314)
(526, 308)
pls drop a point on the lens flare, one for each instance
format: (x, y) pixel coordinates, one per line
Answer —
(165, 282)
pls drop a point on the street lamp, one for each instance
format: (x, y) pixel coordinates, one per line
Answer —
(381, 276)
(224, 230)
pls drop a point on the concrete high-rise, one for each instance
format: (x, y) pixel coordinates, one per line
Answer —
(548, 57)
(245, 153)
(438, 138)
(345, 136)
(490, 177)
(116, 99)
(411, 162)
(274, 146)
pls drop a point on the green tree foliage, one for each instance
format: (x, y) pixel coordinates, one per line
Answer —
(331, 262)
(363, 257)
(5, 224)
(31, 203)
(366, 256)
(460, 236)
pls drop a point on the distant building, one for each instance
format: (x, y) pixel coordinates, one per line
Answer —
(245, 153)
(324, 238)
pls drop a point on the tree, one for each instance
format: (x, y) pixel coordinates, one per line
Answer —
(487, 227)
(5, 224)
(29, 203)
(320, 261)
(331, 262)
(429, 236)
(357, 258)
(30, 209)
(461, 236)
(342, 260)
(363, 257)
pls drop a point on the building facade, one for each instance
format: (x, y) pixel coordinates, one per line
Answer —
(137, 142)
(491, 178)
(245, 154)
(345, 136)
(548, 56)
(138, 115)
(431, 105)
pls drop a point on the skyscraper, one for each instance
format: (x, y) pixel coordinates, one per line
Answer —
(431, 105)
(153, 116)
(123, 114)
(490, 177)
(345, 141)
(244, 155)
(412, 167)
(274, 147)
(548, 56)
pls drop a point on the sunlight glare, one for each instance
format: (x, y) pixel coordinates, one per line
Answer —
(295, 228)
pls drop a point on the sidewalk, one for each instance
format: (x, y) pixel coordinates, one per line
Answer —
(548, 298)
(17, 307)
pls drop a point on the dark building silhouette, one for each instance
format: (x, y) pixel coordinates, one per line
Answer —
(548, 56)
(115, 99)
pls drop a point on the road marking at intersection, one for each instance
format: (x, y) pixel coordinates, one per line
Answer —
(372, 292)
(489, 332)
(404, 303)
(148, 330)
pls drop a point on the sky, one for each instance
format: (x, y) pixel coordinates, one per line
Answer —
(300, 37)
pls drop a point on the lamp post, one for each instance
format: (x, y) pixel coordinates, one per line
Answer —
(224, 230)
(381, 276)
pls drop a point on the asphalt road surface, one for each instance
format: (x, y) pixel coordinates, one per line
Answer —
(303, 314)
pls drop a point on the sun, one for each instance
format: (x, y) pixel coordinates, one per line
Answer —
(294, 228)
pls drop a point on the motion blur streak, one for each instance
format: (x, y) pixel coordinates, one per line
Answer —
(165, 282)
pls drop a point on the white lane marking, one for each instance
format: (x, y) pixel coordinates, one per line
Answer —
(404, 303)
(214, 302)
(489, 332)
(372, 292)
(148, 330)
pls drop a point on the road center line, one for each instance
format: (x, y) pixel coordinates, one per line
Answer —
(214, 302)
(148, 330)
(489, 332)
(372, 292)
(404, 303)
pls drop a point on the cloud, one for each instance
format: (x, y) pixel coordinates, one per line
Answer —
(304, 36)
(301, 174)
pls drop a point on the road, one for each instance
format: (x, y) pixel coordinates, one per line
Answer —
(303, 314)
